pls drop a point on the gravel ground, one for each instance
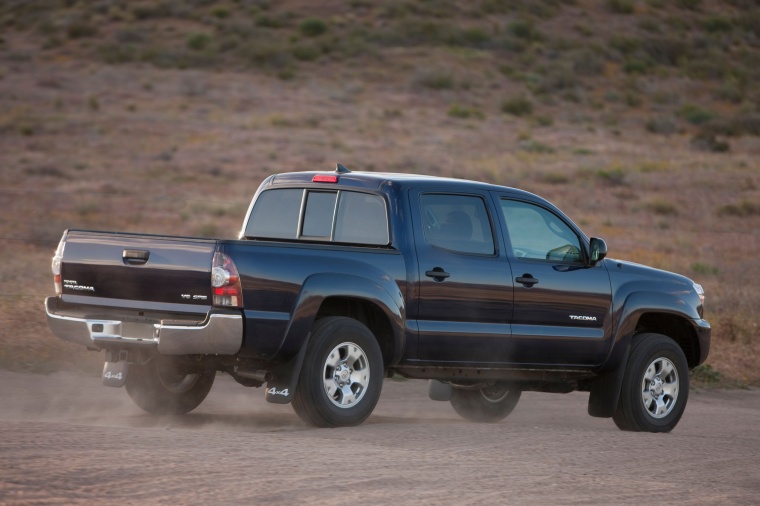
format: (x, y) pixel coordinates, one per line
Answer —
(64, 439)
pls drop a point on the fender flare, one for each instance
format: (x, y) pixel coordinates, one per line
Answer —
(605, 389)
(314, 291)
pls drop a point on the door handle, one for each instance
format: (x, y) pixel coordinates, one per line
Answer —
(527, 280)
(437, 274)
(135, 256)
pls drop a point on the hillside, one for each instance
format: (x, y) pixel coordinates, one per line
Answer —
(640, 119)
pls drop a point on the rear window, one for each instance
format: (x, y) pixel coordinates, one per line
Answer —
(317, 215)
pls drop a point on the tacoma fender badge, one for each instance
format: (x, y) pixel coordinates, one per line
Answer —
(583, 318)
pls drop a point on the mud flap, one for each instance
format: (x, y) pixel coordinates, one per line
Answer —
(605, 391)
(439, 391)
(115, 373)
(282, 386)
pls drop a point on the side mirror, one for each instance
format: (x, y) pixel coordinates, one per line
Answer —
(598, 250)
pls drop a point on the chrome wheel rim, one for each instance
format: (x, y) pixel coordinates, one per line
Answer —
(175, 380)
(659, 388)
(494, 393)
(346, 375)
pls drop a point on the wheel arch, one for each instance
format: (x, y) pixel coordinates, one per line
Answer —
(370, 314)
(675, 327)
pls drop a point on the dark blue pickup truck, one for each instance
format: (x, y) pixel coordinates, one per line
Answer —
(342, 278)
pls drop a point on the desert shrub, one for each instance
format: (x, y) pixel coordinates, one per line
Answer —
(266, 53)
(662, 207)
(306, 52)
(434, 79)
(729, 91)
(705, 374)
(524, 29)
(534, 146)
(695, 114)
(747, 123)
(198, 41)
(744, 208)
(312, 27)
(114, 53)
(465, 112)
(717, 24)
(80, 29)
(614, 176)
(624, 45)
(689, 4)
(265, 21)
(517, 106)
(700, 268)
(555, 178)
(588, 63)
(705, 141)
(635, 66)
(670, 50)
(558, 78)
(621, 6)
(220, 12)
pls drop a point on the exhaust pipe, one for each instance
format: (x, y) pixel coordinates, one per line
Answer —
(262, 376)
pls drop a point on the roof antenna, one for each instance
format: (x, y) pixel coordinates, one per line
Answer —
(341, 169)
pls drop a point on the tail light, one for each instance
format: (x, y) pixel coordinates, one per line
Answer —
(56, 266)
(225, 282)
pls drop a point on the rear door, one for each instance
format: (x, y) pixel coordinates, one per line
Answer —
(137, 271)
(562, 306)
(465, 288)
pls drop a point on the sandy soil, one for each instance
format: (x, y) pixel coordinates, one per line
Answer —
(64, 439)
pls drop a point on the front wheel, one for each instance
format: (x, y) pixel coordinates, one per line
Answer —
(655, 386)
(490, 404)
(342, 374)
(168, 386)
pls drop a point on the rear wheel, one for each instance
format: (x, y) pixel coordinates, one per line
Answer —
(490, 404)
(342, 374)
(168, 386)
(655, 386)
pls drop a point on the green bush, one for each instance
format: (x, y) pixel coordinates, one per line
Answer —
(305, 52)
(689, 4)
(614, 176)
(198, 41)
(524, 29)
(700, 268)
(464, 112)
(81, 29)
(313, 27)
(621, 6)
(743, 208)
(517, 106)
(695, 115)
(434, 79)
(717, 24)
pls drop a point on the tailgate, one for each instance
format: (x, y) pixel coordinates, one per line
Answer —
(138, 271)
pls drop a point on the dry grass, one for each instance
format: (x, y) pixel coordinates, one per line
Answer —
(139, 148)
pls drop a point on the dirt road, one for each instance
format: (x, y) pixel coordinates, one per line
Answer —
(64, 439)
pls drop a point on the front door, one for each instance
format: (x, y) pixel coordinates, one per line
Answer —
(562, 306)
(465, 288)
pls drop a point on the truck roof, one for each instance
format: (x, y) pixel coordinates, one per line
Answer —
(375, 180)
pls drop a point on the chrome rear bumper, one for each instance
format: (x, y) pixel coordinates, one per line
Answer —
(219, 334)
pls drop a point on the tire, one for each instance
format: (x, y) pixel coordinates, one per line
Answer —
(487, 405)
(342, 374)
(655, 386)
(164, 386)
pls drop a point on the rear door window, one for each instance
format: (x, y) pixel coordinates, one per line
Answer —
(457, 223)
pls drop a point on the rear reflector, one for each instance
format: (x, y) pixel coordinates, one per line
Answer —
(324, 178)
